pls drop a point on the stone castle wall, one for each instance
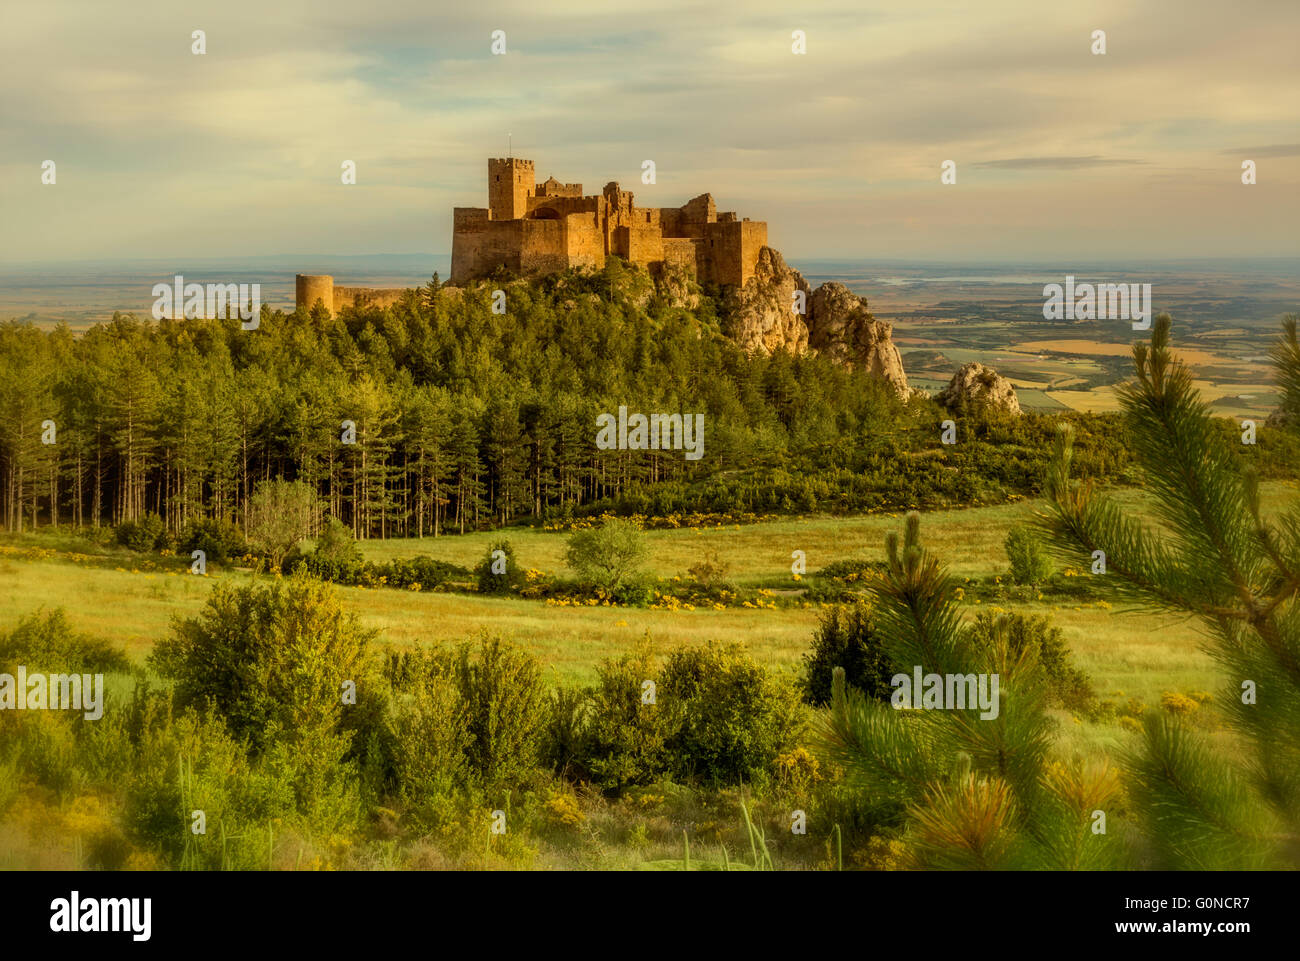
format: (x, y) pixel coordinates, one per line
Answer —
(310, 288)
(542, 228)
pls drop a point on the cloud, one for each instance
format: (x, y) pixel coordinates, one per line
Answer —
(238, 152)
(1056, 163)
(1274, 150)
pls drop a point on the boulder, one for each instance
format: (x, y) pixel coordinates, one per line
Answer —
(976, 387)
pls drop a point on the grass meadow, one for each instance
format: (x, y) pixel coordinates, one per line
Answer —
(1128, 653)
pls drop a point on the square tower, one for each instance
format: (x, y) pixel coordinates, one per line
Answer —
(510, 184)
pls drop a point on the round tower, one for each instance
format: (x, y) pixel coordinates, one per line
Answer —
(310, 288)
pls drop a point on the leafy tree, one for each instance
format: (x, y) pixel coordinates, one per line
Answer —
(280, 514)
(608, 555)
(1214, 556)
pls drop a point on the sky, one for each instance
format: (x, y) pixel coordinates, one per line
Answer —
(1059, 153)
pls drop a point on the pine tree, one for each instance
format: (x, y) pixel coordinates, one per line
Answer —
(1212, 555)
(1286, 355)
(969, 791)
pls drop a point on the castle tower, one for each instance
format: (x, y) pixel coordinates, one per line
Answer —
(309, 288)
(510, 184)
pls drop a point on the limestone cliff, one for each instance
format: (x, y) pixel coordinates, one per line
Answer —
(760, 314)
(975, 386)
(841, 327)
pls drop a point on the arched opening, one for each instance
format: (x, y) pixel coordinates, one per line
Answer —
(544, 213)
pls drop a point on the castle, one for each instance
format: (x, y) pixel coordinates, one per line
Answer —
(531, 228)
(540, 229)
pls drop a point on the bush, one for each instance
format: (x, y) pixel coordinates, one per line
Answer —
(337, 545)
(270, 659)
(608, 555)
(430, 732)
(710, 571)
(146, 534)
(852, 570)
(428, 573)
(499, 575)
(1069, 687)
(503, 702)
(732, 717)
(624, 741)
(46, 643)
(219, 540)
(1029, 561)
(566, 731)
(191, 763)
(847, 638)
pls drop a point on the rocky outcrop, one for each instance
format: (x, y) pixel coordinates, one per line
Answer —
(677, 287)
(761, 315)
(976, 387)
(1282, 419)
(841, 326)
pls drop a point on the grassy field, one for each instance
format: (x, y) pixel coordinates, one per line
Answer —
(1140, 654)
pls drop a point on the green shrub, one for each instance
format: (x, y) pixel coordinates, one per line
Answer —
(431, 737)
(219, 540)
(1029, 561)
(191, 763)
(633, 593)
(564, 737)
(851, 569)
(732, 717)
(710, 571)
(45, 642)
(430, 574)
(846, 637)
(493, 576)
(1069, 686)
(146, 534)
(336, 544)
(624, 741)
(503, 702)
(271, 659)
